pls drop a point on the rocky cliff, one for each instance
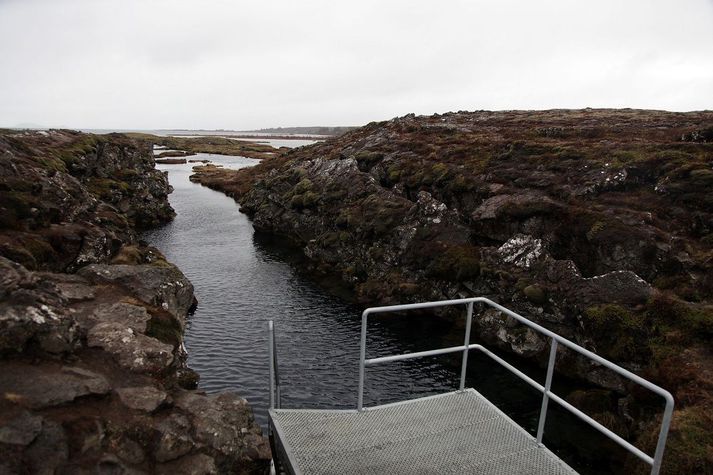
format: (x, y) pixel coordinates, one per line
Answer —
(597, 224)
(91, 321)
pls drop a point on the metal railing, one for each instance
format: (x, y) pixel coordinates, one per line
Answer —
(547, 394)
(275, 397)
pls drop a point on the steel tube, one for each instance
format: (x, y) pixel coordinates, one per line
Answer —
(548, 385)
(546, 390)
(410, 356)
(362, 358)
(278, 394)
(270, 350)
(509, 367)
(612, 435)
(466, 342)
(598, 359)
(663, 434)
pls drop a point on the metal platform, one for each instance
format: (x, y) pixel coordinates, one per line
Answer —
(458, 432)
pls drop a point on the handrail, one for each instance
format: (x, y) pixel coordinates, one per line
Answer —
(275, 396)
(547, 394)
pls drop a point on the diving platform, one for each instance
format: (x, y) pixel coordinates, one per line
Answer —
(454, 432)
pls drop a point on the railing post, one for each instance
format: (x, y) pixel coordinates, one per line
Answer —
(278, 393)
(466, 342)
(271, 356)
(663, 434)
(362, 359)
(545, 394)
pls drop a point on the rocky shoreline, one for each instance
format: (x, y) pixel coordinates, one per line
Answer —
(596, 223)
(91, 321)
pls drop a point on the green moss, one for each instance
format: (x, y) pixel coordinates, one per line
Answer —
(700, 322)
(694, 320)
(535, 294)
(596, 228)
(51, 163)
(439, 172)
(303, 186)
(459, 185)
(306, 200)
(298, 174)
(456, 263)
(164, 327)
(296, 202)
(104, 188)
(688, 448)
(70, 154)
(393, 173)
(618, 333)
(620, 158)
(309, 199)
(367, 158)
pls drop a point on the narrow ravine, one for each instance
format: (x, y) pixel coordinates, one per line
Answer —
(242, 280)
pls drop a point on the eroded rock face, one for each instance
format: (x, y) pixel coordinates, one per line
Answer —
(219, 421)
(439, 207)
(126, 373)
(71, 199)
(162, 286)
(596, 224)
(134, 351)
(42, 386)
(91, 354)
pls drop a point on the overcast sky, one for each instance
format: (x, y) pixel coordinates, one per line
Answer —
(145, 64)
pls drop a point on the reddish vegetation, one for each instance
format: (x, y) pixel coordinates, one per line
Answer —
(526, 207)
(93, 377)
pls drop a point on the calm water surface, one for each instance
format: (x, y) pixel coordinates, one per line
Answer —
(242, 280)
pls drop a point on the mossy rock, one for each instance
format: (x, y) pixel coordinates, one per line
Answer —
(618, 333)
(694, 320)
(128, 255)
(296, 202)
(306, 200)
(309, 199)
(456, 263)
(303, 186)
(164, 327)
(366, 160)
(535, 294)
(688, 448)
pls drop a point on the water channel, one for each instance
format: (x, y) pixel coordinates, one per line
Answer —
(243, 279)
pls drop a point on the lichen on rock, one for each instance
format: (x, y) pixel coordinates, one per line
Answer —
(91, 320)
(590, 207)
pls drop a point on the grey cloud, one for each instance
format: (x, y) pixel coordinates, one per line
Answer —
(246, 64)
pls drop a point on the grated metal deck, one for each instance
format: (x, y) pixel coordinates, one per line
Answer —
(457, 432)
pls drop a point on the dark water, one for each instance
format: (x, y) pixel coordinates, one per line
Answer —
(242, 280)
